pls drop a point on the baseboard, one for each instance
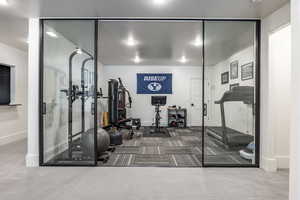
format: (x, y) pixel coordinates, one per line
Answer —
(283, 162)
(150, 123)
(55, 150)
(12, 137)
(146, 123)
(269, 164)
(32, 160)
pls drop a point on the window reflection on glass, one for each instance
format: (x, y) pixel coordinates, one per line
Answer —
(68, 130)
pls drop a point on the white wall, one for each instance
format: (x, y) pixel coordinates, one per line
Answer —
(141, 107)
(295, 105)
(271, 23)
(13, 119)
(280, 90)
(32, 156)
(239, 116)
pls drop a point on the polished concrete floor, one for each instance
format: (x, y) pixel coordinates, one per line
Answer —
(20, 183)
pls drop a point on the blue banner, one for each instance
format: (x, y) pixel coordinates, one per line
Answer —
(154, 83)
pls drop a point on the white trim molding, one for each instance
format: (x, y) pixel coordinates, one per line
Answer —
(32, 160)
(283, 162)
(269, 164)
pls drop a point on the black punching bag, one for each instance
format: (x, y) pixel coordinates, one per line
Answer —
(113, 100)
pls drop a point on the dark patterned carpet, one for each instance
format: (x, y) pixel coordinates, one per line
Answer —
(182, 149)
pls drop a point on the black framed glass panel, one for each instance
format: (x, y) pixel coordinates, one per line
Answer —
(222, 95)
(68, 92)
(230, 93)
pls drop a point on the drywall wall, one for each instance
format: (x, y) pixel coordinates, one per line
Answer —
(295, 105)
(32, 155)
(13, 119)
(238, 115)
(280, 90)
(141, 107)
(273, 22)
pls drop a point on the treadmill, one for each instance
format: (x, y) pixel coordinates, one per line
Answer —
(228, 136)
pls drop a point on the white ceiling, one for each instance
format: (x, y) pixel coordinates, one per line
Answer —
(159, 43)
(13, 21)
(164, 43)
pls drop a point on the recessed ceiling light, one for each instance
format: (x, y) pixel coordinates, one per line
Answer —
(137, 59)
(131, 41)
(51, 34)
(159, 2)
(183, 59)
(197, 42)
(4, 2)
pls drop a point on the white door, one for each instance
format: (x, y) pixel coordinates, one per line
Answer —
(196, 101)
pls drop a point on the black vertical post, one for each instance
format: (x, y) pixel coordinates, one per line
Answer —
(203, 89)
(83, 94)
(95, 91)
(82, 98)
(41, 97)
(70, 105)
(257, 93)
(224, 138)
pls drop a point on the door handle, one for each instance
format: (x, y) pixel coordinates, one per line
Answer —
(93, 108)
(44, 109)
(205, 109)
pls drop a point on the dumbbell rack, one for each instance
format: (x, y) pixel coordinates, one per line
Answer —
(179, 116)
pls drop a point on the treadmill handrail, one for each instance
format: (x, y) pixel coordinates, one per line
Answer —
(239, 93)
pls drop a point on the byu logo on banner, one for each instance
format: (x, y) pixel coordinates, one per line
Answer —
(154, 83)
(154, 86)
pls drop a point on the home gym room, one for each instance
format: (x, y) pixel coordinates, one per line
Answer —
(144, 93)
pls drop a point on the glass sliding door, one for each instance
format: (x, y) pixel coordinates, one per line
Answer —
(68, 92)
(230, 95)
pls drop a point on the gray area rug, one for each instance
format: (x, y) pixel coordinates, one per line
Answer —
(183, 148)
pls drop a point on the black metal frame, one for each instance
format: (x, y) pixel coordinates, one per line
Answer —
(99, 19)
(41, 104)
(257, 98)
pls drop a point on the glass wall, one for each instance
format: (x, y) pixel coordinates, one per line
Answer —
(221, 94)
(229, 91)
(68, 92)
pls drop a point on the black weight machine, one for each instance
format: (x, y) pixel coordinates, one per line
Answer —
(117, 110)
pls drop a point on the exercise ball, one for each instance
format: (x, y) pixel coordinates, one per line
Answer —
(103, 141)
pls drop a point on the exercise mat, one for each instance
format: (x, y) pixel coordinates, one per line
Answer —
(150, 132)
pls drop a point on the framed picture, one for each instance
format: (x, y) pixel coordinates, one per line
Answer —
(234, 70)
(234, 85)
(225, 77)
(247, 71)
